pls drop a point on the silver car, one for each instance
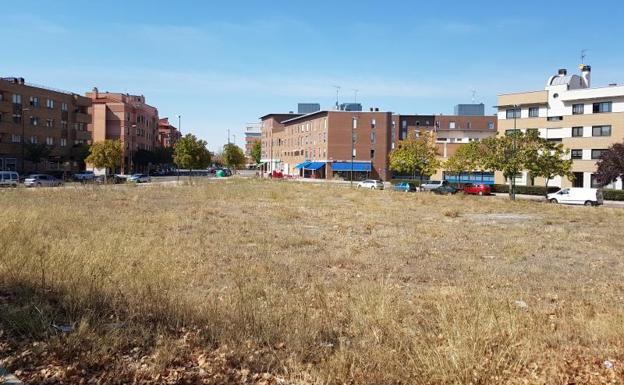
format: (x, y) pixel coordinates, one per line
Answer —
(42, 180)
(139, 178)
(371, 184)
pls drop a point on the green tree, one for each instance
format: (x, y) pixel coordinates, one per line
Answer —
(106, 155)
(78, 153)
(548, 160)
(416, 154)
(191, 153)
(36, 153)
(466, 159)
(233, 156)
(143, 157)
(163, 155)
(256, 151)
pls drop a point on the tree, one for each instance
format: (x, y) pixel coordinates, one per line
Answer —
(106, 155)
(163, 155)
(191, 153)
(466, 159)
(611, 165)
(36, 153)
(143, 157)
(416, 154)
(78, 153)
(256, 151)
(233, 156)
(548, 160)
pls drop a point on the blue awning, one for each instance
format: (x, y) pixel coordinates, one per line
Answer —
(346, 166)
(314, 166)
(302, 165)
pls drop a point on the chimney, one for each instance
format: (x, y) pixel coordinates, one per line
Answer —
(586, 75)
(372, 109)
(95, 92)
(376, 109)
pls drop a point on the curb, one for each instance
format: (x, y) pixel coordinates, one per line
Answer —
(8, 378)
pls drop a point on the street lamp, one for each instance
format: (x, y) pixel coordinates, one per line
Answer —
(23, 138)
(353, 124)
(513, 152)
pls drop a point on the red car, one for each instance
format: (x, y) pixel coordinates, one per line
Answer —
(477, 189)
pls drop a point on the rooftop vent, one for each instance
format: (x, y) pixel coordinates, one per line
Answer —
(563, 71)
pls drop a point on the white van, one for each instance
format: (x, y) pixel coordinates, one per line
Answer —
(577, 196)
(9, 179)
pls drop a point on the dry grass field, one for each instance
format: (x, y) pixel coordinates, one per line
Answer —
(246, 281)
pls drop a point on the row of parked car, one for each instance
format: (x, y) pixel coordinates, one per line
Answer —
(437, 187)
(12, 179)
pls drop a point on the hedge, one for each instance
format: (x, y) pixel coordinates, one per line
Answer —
(613, 195)
(524, 190)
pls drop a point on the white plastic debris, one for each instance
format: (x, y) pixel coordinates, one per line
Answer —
(608, 364)
(521, 304)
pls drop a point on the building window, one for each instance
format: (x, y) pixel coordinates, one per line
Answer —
(469, 125)
(34, 101)
(451, 125)
(17, 99)
(63, 142)
(577, 132)
(594, 181)
(33, 139)
(16, 138)
(554, 118)
(372, 154)
(602, 107)
(577, 154)
(34, 120)
(601, 131)
(511, 131)
(578, 109)
(533, 131)
(373, 137)
(513, 113)
(50, 141)
(596, 154)
(373, 123)
(10, 164)
(63, 124)
(17, 118)
(533, 112)
(490, 125)
(354, 123)
(63, 106)
(49, 123)
(49, 103)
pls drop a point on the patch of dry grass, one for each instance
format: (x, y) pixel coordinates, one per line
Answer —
(245, 281)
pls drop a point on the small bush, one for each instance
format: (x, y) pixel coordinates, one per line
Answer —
(613, 195)
(452, 213)
(526, 190)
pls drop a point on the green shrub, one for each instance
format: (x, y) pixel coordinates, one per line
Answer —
(613, 195)
(525, 190)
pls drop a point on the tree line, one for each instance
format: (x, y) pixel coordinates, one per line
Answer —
(509, 154)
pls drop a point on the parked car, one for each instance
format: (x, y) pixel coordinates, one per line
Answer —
(477, 189)
(139, 178)
(371, 184)
(84, 176)
(405, 187)
(42, 180)
(433, 184)
(9, 179)
(577, 196)
(445, 189)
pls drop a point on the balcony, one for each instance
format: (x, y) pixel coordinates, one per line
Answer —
(81, 117)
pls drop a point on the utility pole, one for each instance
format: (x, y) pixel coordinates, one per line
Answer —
(353, 123)
(513, 147)
(228, 131)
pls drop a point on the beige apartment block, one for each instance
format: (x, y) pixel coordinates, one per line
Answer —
(585, 120)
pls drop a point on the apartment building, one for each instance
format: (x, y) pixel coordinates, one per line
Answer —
(36, 114)
(253, 134)
(319, 145)
(168, 134)
(568, 110)
(127, 118)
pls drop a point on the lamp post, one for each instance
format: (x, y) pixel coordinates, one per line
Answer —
(353, 124)
(513, 152)
(23, 137)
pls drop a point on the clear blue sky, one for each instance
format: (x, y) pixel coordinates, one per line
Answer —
(221, 64)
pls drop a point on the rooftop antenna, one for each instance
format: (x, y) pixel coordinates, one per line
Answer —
(337, 96)
(583, 55)
(355, 92)
(474, 95)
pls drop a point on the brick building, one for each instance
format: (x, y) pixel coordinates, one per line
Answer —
(127, 118)
(36, 114)
(168, 134)
(319, 145)
(253, 134)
